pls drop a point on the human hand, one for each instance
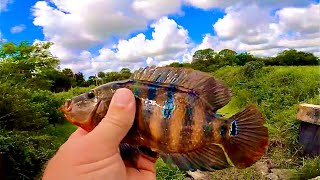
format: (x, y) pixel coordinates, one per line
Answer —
(95, 155)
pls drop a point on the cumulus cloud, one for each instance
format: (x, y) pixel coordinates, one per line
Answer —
(209, 4)
(168, 44)
(262, 28)
(307, 23)
(153, 9)
(168, 38)
(81, 24)
(17, 29)
(253, 29)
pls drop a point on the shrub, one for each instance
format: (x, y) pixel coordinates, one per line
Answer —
(251, 67)
(25, 154)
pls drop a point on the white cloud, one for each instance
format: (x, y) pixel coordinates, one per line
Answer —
(209, 4)
(17, 29)
(81, 24)
(253, 29)
(168, 44)
(153, 9)
(308, 20)
(168, 39)
(263, 28)
(4, 5)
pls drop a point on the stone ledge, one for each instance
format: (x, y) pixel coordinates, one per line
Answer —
(309, 113)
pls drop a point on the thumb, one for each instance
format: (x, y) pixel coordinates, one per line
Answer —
(118, 120)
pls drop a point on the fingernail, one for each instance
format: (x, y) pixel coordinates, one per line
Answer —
(122, 97)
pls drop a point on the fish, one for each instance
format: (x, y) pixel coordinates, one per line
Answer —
(176, 119)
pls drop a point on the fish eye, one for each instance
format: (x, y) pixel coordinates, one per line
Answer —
(91, 95)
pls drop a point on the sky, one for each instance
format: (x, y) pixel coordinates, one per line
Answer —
(106, 35)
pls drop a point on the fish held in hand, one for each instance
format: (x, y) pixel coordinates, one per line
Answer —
(176, 117)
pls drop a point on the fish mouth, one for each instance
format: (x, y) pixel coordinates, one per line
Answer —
(85, 123)
(67, 106)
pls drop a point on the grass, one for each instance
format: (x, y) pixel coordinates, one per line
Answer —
(277, 91)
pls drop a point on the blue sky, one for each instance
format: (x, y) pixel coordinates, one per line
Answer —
(96, 35)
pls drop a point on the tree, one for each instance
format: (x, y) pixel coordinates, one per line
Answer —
(293, 57)
(68, 72)
(101, 75)
(243, 58)
(125, 73)
(227, 57)
(92, 80)
(26, 65)
(80, 81)
(203, 54)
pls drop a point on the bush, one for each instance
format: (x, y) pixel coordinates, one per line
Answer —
(24, 109)
(251, 67)
(25, 154)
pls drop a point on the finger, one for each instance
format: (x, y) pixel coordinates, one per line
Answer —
(145, 163)
(118, 120)
(78, 133)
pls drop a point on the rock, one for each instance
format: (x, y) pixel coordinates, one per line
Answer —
(316, 178)
(272, 176)
(309, 113)
(282, 173)
(198, 175)
(270, 164)
(262, 168)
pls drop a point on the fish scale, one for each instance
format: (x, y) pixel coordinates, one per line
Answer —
(176, 118)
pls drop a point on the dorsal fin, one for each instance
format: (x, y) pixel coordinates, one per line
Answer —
(203, 84)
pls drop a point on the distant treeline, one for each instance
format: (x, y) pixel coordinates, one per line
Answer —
(208, 60)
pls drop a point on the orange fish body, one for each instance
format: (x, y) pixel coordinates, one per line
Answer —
(176, 117)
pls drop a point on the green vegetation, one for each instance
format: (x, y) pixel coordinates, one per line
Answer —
(32, 89)
(277, 91)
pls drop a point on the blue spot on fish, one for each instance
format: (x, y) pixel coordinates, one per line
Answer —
(217, 115)
(234, 128)
(169, 104)
(223, 130)
(152, 90)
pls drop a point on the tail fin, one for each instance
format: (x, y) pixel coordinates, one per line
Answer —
(248, 137)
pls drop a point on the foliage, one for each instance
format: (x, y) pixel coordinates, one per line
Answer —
(27, 65)
(293, 57)
(277, 91)
(251, 67)
(23, 109)
(165, 171)
(208, 60)
(309, 169)
(25, 153)
(102, 78)
(203, 54)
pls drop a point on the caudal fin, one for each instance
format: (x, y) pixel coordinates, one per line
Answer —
(248, 140)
